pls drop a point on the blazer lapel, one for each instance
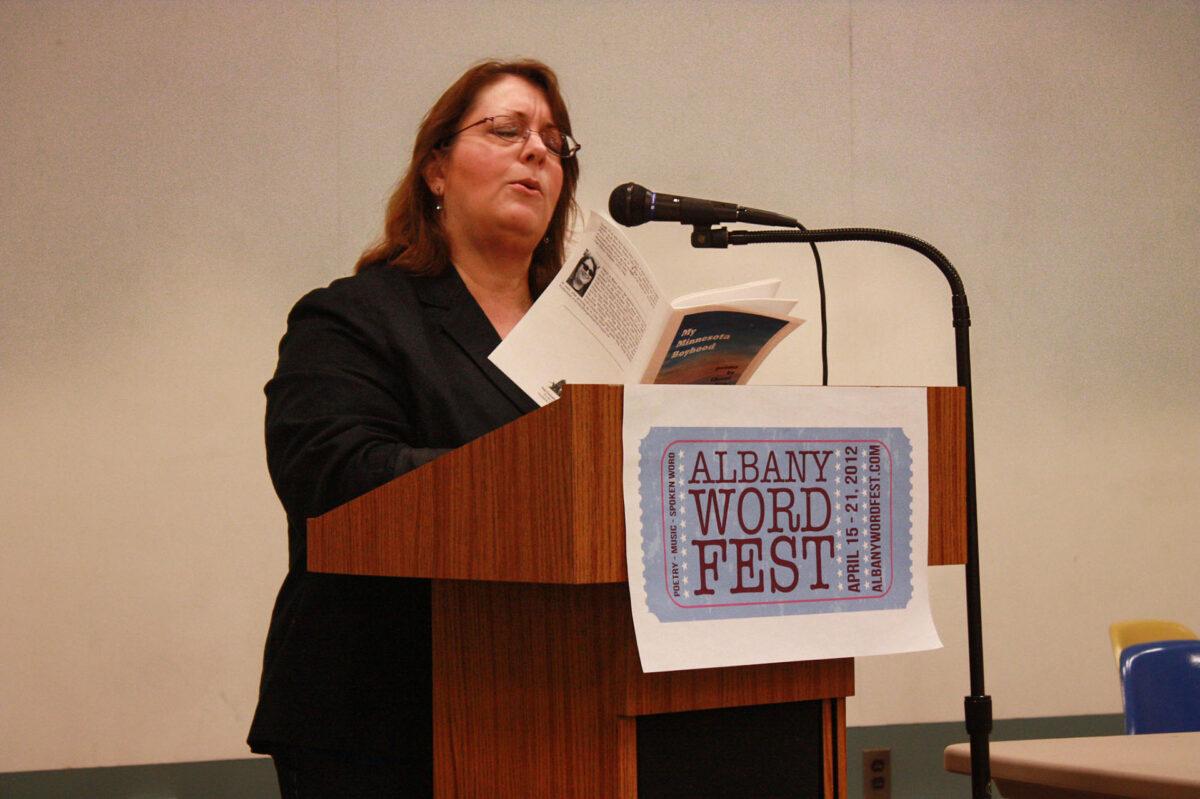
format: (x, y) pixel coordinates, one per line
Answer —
(466, 323)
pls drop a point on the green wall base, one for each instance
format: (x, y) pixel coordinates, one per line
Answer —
(249, 778)
(916, 766)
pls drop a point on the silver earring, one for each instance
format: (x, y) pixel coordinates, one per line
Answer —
(437, 205)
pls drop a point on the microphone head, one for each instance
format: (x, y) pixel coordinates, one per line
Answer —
(627, 204)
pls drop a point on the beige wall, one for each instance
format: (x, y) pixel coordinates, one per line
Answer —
(177, 174)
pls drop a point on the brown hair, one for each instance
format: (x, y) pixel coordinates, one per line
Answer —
(413, 238)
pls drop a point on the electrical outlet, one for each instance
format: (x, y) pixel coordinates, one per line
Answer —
(877, 774)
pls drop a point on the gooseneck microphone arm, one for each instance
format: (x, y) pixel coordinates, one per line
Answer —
(978, 706)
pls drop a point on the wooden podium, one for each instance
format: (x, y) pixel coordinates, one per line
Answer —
(537, 684)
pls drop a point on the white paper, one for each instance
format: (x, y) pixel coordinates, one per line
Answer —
(784, 634)
(586, 327)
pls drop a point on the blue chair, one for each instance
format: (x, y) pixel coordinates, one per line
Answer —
(1160, 683)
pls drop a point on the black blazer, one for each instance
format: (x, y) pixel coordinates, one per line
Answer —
(378, 374)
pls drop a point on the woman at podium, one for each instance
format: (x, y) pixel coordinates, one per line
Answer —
(381, 372)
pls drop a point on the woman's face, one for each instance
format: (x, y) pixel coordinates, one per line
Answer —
(587, 270)
(498, 195)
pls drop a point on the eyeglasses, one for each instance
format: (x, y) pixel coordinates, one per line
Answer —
(514, 129)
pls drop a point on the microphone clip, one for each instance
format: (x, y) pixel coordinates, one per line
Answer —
(708, 237)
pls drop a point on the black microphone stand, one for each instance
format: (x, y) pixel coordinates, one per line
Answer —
(978, 706)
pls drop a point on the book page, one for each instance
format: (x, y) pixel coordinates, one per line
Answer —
(590, 322)
(611, 291)
(755, 290)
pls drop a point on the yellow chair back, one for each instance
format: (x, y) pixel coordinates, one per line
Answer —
(1142, 631)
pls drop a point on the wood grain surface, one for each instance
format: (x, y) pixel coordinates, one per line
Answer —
(536, 688)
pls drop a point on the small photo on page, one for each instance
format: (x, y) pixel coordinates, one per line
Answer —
(581, 277)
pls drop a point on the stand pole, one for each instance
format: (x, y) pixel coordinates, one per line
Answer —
(977, 707)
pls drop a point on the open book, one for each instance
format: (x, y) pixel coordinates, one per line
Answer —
(604, 320)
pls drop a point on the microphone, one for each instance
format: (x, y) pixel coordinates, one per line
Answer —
(631, 205)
